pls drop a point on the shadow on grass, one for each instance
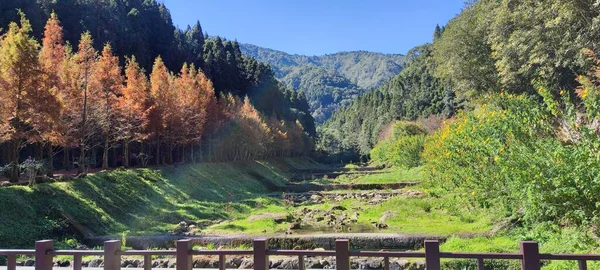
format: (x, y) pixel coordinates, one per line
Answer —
(137, 201)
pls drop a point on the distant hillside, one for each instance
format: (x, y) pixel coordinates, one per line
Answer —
(415, 92)
(329, 81)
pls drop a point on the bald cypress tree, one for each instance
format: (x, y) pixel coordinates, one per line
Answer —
(51, 61)
(26, 107)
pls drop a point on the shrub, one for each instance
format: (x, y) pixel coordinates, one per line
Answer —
(406, 128)
(507, 155)
(404, 146)
(408, 151)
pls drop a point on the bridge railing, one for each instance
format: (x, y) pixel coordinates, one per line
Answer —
(44, 252)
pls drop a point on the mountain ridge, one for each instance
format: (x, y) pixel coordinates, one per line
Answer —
(340, 77)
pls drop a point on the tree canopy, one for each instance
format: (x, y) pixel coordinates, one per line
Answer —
(80, 104)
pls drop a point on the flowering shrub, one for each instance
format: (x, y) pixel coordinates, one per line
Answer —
(507, 155)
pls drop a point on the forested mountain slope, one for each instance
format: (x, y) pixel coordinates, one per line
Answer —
(324, 89)
(413, 93)
(329, 81)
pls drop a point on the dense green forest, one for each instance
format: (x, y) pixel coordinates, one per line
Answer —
(325, 90)
(72, 104)
(330, 81)
(414, 93)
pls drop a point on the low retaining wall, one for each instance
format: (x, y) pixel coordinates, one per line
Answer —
(316, 187)
(326, 241)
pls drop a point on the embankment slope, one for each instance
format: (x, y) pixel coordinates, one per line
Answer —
(137, 201)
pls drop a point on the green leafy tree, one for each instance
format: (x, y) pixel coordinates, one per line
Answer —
(462, 52)
(542, 40)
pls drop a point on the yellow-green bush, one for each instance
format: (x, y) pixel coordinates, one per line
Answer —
(404, 146)
(507, 155)
(407, 128)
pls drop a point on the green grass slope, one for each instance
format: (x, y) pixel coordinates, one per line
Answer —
(137, 201)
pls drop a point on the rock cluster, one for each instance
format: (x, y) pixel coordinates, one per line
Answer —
(183, 228)
(334, 217)
(371, 197)
(191, 227)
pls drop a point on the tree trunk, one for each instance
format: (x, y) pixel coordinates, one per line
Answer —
(94, 158)
(66, 159)
(3, 154)
(50, 160)
(39, 151)
(114, 161)
(157, 151)
(105, 155)
(126, 154)
(170, 154)
(14, 161)
(210, 150)
(82, 162)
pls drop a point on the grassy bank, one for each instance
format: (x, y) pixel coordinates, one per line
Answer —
(384, 176)
(427, 214)
(406, 215)
(138, 201)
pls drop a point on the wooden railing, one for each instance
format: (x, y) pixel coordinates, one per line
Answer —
(44, 252)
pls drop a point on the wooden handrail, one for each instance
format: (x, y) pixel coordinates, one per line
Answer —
(393, 254)
(497, 256)
(5, 252)
(314, 253)
(44, 252)
(570, 257)
(221, 252)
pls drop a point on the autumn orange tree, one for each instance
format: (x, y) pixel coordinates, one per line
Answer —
(133, 108)
(84, 103)
(106, 84)
(72, 100)
(84, 62)
(161, 105)
(254, 138)
(208, 103)
(191, 114)
(51, 62)
(26, 107)
(279, 137)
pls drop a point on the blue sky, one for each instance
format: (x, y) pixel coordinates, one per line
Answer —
(316, 27)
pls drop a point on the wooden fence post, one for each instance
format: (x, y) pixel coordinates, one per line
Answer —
(261, 260)
(342, 254)
(184, 259)
(43, 260)
(531, 255)
(112, 257)
(148, 262)
(432, 254)
(11, 262)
